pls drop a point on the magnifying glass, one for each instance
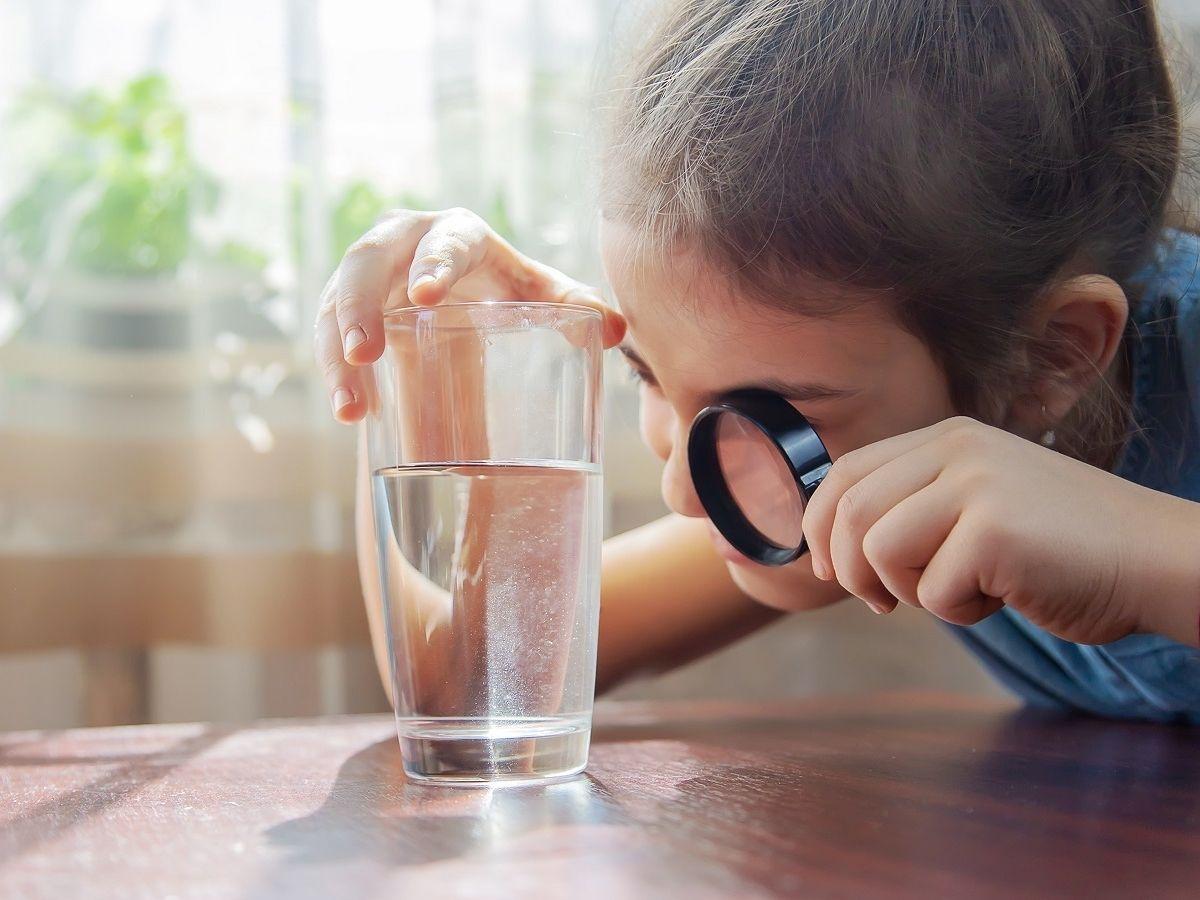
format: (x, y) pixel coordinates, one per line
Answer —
(755, 462)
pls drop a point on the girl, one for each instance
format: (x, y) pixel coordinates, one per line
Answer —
(937, 228)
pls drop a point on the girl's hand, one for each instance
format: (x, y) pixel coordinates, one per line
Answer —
(961, 518)
(424, 258)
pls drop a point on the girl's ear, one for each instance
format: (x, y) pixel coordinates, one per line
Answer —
(1076, 334)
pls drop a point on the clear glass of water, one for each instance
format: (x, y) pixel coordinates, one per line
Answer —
(484, 447)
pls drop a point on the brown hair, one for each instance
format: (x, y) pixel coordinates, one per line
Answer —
(956, 155)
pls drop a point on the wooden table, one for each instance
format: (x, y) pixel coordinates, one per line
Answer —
(887, 795)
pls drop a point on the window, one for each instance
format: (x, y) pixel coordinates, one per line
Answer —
(177, 181)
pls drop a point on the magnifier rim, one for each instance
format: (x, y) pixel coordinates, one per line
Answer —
(719, 504)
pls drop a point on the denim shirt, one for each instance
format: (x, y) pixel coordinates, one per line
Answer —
(1143, 676)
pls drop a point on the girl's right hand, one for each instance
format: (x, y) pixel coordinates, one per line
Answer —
(424, 258)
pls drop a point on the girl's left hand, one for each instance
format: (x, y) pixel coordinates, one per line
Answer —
(962, 518)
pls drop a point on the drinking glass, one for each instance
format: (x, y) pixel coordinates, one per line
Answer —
(484, 450)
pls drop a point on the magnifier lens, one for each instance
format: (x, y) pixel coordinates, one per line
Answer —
(759, 480)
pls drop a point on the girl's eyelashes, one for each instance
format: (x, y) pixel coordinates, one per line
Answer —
(639, 371)
(640, 375)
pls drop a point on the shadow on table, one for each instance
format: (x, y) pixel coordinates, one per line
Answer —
(932, 801)
(1102, 769)
(569, 838)
(374, 814)
(124, 776)
(841, 802)
(1038, 757)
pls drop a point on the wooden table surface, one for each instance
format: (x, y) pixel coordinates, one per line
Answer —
(901, 795)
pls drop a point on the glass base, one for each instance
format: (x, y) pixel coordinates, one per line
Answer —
(474, 752)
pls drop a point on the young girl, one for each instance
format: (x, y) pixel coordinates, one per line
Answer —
(938, 230)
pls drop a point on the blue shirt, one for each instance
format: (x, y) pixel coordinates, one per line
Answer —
(1143, 676)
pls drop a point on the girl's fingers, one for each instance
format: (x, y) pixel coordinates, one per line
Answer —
(613, 329)
(360, 286)
(900, 545)
(413, 257)
(566, 290)
(460, 244)
(344, 382)
(861, 506)
(455, 244)
(526, 279)
(847, 471)
(949, 586)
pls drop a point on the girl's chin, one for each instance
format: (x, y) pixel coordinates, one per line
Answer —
(727, 551)
(779, 588)
(770, 587)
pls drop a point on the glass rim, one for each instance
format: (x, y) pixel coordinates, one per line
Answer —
(408, 311)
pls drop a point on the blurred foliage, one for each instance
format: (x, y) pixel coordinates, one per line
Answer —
(497, 215)
(353, 212)
(115, 189)
(359, 204)
(117, 183)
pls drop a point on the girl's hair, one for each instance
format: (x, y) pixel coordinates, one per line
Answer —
(957, 156)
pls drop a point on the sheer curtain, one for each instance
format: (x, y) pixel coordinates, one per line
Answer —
(177, 179)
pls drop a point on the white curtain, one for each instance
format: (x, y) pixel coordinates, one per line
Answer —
(177, 179)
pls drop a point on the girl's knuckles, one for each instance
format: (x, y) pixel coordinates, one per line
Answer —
(851, 510)
(879, 550)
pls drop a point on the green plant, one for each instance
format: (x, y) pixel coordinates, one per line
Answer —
(498, 216)
(355, 210)
(116, 189)
(360, 204)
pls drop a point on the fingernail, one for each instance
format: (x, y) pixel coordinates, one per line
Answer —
(819, 569)
(422, 281)
(354, 336)
(341, 397)
(878, 608)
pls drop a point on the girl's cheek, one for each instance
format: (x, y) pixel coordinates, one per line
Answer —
(656, 420)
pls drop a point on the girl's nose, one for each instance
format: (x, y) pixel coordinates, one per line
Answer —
(677, 489)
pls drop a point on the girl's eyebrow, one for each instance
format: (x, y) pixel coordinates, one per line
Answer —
(802, 392)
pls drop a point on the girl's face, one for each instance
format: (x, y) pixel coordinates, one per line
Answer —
(858, 377)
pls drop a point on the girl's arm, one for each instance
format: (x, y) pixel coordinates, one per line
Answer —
(368, 564)
(665, 598)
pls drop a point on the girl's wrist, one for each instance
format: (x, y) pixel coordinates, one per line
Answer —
(1169, 598)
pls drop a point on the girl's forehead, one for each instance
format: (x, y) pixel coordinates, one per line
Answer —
(709, 342)
(700, 338)
(704, 346)
(680, 305)
(637, 269)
